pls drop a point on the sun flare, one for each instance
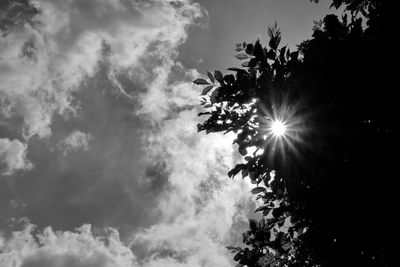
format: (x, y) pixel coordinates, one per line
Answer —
(282, 125)
(278, 128)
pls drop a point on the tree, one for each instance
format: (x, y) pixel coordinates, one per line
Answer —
(328, 184)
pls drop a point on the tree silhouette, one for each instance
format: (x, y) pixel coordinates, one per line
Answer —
(328, 184)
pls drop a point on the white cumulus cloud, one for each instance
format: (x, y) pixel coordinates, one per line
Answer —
(80, 248)
(77, 140)
(13, 156)
(202, 206)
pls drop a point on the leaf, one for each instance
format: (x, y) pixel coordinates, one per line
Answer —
(282, 54)
(300, 231)
(286, 246)
(245, 64)
(242, 150)
(277, 212)
(253, 62)
(211, 77)
(213, 96)
(266, 180)
(270, 32)
(245, 172)
(248, 158)
(207, 89)
(281, 222)
(294, 55)
(271, 54)
(249, 49)
(257, 190)
(237, 256)
(239, 49)
(229, 79)
(265, 51)
(253, 224)
(258, 51)
(235, 69)
(262, 208)
(200, 81)
(254, 174)
(266, 212)
(241, 56)
(233, 249)
(235, 170)
(274, 42)
(218, 76)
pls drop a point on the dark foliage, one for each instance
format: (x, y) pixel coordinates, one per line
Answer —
(335, 175)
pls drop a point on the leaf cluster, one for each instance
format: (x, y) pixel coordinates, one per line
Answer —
(232, 104)
(333, 210)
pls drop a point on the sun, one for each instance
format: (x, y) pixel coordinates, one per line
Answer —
(278, 128)
(282, 124)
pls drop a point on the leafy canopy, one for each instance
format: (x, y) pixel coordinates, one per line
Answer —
(327, 183)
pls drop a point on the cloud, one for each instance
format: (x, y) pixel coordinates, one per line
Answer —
(85, 46)
(13, 156)
(77, 140)
(201, 210)
(79, 248)
(201, 206)
(47, 53)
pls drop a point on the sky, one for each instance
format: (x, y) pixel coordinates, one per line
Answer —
(100, 160)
